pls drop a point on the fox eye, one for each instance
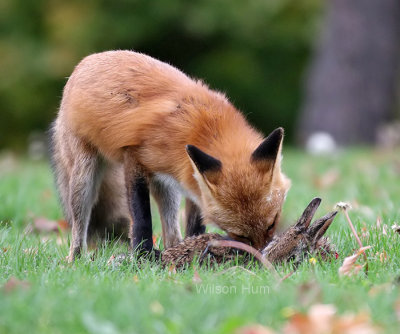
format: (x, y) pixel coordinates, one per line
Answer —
(270, 227)
(273, 224)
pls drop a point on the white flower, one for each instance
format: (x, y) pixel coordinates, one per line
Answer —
(342, 206)
(396, 228)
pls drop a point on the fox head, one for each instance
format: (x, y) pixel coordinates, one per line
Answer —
(243, 196)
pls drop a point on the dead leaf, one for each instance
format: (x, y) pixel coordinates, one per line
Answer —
(355, 324)
(114, 260)
(63, 225)
(364, 232)
(328, 179)
(255, 329)
(318, 320)
(299, 324)
(322, 318)
(349, 266)
(378, 222)
(42, 224)
(383, 256)
(171, 269)
(196, 277)
(14, 283)
(384, 230)
(377, 289)
(111, 260)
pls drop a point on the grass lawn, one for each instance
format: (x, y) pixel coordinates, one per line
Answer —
(41, 293)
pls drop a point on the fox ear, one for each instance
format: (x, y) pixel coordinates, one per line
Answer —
(205, 164)
(269, 150)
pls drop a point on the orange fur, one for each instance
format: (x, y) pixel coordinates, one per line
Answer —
(119, 99)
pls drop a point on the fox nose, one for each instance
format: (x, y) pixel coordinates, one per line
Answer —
(261, 241)
(257, 243)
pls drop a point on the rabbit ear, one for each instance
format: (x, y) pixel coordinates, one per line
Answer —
(308, 214)
(320, 226)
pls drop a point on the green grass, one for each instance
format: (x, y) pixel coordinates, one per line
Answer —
(91, 296)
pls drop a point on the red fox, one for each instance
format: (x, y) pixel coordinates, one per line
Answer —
(135, 125)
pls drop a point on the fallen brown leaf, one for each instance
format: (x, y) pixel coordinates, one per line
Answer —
(115, 260)
(383, 256)
(42, 224)
(14, 283)
(196, 277)
(255, 329)
(349, 266)
(384, 230)
(355, 324)
(378, 222)
(364, 232)
(111, 260)
(63, 225)
(171, 270)
(382, 288)
(327, 180)
(318, 320)
(322, 319)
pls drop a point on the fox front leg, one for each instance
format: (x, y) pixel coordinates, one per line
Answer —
(194, 220)
(137, 186)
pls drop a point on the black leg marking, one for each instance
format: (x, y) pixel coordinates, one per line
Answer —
(194, 221)
(142, 231)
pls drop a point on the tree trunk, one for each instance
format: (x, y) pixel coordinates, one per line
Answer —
(351, 86)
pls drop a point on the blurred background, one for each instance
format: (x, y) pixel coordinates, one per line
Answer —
(327, 71)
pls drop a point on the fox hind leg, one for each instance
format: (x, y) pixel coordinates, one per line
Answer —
(77, 169)
(110, 217)
(84, 184)
(60, 156)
